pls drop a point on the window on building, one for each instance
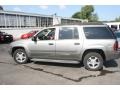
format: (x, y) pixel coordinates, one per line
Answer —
(114, 27)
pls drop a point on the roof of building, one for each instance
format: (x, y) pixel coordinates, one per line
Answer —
(24, 13)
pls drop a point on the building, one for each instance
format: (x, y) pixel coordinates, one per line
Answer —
(12, 19)
(113, 25)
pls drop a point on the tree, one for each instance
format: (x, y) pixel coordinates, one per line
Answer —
(117, 19)
(87, 12)
(94, 18)
(77, 15)
(1, 8)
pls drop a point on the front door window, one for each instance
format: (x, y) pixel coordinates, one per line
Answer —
(47, 34)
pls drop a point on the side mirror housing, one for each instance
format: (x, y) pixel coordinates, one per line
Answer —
(34, 38)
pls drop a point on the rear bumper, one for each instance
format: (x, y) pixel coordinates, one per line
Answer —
(113, 55)
(10, 39)
(116, 54)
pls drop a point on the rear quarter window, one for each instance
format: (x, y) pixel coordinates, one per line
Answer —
(117, 34)
(98, 33)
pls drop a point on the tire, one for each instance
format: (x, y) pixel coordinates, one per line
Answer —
(93, 61)
(20, 56)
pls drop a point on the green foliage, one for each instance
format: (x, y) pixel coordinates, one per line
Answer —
(117, 19)
(77, 15)
(94, 18)
(86, 13)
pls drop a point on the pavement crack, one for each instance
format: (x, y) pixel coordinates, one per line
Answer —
(102, 73)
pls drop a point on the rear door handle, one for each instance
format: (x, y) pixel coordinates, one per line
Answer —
(51, 44)
(76, 43)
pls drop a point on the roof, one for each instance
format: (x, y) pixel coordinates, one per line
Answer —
(74, 19)
(38, 15)
(112, 22)
(84, 23)
(24, 13)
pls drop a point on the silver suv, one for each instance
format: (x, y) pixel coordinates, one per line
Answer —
(90, 44)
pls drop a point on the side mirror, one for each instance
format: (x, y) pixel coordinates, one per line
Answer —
(34, 38)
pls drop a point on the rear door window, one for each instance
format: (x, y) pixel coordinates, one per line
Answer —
(98, 33)
(68, 33)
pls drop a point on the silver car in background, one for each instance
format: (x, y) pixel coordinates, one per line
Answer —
(90, 44)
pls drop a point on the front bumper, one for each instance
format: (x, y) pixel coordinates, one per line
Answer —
(10, 51)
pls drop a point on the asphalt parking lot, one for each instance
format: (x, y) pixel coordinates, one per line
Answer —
(42, 73)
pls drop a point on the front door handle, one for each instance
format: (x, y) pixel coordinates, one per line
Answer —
(76, 43)
(51, 44)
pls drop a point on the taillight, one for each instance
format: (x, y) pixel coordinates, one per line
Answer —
(115, 47)
(2, 37)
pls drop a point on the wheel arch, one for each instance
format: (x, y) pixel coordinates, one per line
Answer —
(100, 51)
(15, 48)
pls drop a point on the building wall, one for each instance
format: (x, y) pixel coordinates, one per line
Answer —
(22, 20)
(66, 21)
(114, 25)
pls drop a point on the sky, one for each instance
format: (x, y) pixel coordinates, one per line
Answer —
(104, 12)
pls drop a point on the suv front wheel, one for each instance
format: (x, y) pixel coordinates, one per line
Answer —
(20, 56)
(93, 61)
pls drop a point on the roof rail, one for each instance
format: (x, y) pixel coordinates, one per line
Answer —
(82, 23)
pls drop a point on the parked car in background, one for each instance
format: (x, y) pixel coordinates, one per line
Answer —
(117, 34)
(90, 44)
(5, 37)
(28, 35)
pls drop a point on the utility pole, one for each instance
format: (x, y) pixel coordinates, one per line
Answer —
(56, 19)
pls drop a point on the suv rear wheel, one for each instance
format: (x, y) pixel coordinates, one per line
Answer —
(20, 56)
(93, 61)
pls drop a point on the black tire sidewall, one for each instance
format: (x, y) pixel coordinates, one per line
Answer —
(14, 56)
(87, 56)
